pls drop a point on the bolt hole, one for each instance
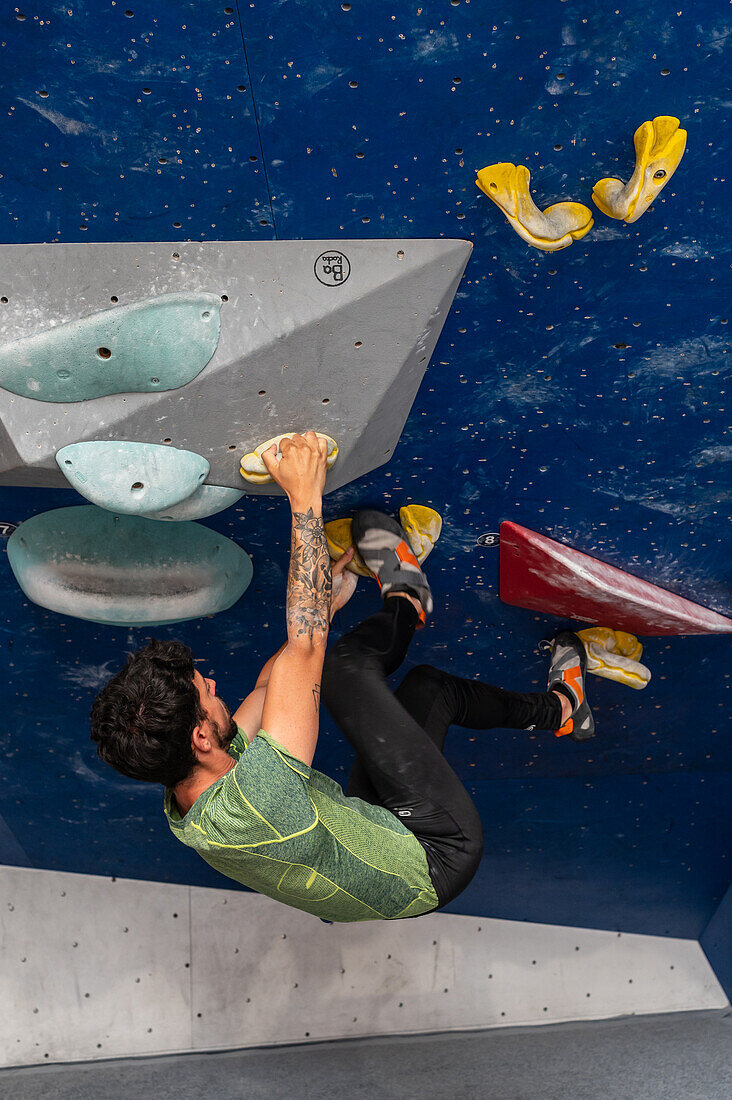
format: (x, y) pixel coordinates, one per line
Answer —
(262, 393)
(241, 87)
(146, 91)
(162, 160)
(360, 156)
(400, 254)
(136, 486)
(325, 401)
(64, 163)
(67, 461)
(43, 95)
(4, 300)
(228, 11)
(493, 186)
(176, 255)
(621, 346)
(660, 174)
(232, 446)
(457, 80)
(114, 298)
(665, 72)
(104, 353)
(557, 147)
(224, 297)
(263, 221)
(458, 152)
(352, 83)
(561, 76)
(358, 344)
(253, 158)
(129, 14)
(168, 440)
(155, 381)
(346, 7)
(176, 225)
(205, 315)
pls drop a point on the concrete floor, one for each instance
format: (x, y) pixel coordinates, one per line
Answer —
(683, 1056)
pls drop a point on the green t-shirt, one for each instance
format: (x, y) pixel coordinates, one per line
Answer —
(279, 827)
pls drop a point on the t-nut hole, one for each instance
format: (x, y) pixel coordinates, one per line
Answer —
(400, 254)
(4, 300)
(155, 381)
(206, 315)
(493, 186)
(136, 486)
(262, 393)
(326, 401)
(114, 298)
(167, 440)
(104, 353)
(224, 297)
(358, 344)
(660, 174)
(67, 461)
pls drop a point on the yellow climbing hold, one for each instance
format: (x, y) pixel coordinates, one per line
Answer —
(254, 470)
(508, 186)
(615, 655)
(339, 539)
(422, 525)
(659, 147)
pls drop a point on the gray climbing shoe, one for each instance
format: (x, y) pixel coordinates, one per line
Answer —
(384, 546)
(567, 674)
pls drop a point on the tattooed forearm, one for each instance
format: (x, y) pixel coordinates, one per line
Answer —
(309, 581)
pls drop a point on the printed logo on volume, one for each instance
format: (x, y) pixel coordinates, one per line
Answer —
(6, 530)
(332, 268)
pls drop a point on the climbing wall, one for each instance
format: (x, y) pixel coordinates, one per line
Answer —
(583, 394)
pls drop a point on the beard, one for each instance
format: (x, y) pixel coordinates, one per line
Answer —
(225, 731)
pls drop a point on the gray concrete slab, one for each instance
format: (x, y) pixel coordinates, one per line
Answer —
(683, 1056)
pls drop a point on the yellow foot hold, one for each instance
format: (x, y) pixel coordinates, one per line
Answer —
(659, 147)
(508, 186)
(253, 469)
(422, 525)
(615, 655)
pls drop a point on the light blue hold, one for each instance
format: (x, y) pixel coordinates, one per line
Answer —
(206, 501)
(134, 478)
(153, 345)
(126, 571)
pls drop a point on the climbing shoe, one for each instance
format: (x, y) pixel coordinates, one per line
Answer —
(384, 546)
(567, 675)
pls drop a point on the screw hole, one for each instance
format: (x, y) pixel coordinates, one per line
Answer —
(665, 72)
(660, 174)
(457, 80)
(358, 344)
(4, 300)
(136, 486)
(224, 297)
(205, 315)
(155, 381)
(326, 401)
(168, 440)
(557, 147)
(104, 353)
(262, 393)
(67, 462)
(114, 298)
(146, 91)
(352, 83)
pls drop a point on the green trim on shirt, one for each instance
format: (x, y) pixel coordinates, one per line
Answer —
(286, 830)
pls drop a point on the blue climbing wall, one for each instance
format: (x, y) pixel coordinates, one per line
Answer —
(583, 394)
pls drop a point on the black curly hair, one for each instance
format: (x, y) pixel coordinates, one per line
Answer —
(143, 719)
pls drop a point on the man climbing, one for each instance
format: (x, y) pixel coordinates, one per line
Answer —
(405, 838)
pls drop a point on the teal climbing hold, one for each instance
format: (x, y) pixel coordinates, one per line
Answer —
(135, 478)
(125, 570)
(206, 501)
(147, 347)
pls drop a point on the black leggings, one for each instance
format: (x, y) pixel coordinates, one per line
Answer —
(398, 737)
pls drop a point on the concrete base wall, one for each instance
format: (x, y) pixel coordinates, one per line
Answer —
(96, 968)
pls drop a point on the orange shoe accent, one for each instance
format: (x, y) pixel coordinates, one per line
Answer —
(405, 553)
(566, 728)
(573, 676)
